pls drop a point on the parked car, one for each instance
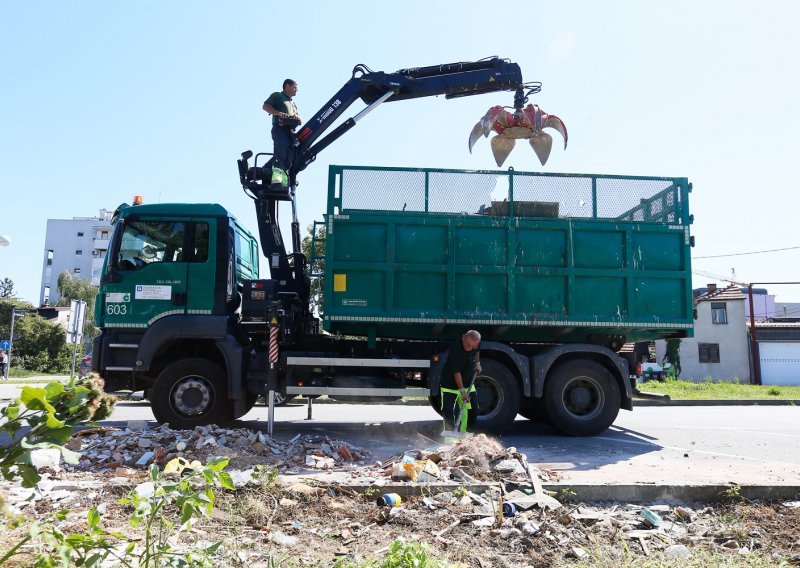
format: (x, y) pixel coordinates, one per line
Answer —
(650, 372)
(85, 366)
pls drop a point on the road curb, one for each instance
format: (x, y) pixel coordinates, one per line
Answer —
(628, 493)
(707, 402)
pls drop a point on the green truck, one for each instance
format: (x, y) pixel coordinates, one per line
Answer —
(557, 272)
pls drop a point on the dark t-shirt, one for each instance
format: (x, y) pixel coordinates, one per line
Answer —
(458, 361)
(281, 102)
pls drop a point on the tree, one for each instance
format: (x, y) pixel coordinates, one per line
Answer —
(41, 345)
(318, 265)
(673, 356)
(6, 288)
(6, 307)
(69, 289)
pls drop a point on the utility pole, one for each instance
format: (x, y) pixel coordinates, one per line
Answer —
(753, 339)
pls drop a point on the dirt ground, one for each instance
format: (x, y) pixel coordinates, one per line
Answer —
(286, 522)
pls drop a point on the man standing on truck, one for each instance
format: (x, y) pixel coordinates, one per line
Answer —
(285, 118)
(457, 385)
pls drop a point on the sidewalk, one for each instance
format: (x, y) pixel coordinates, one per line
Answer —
(10, 389)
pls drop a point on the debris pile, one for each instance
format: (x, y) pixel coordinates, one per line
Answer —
(478, 459)
(105, 450)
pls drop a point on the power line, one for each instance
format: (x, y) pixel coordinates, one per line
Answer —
(745, 253)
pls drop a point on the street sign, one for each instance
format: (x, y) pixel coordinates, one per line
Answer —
(4, 344)
(77, 310)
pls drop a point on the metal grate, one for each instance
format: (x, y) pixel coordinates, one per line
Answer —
(383, 190)
(499, 193)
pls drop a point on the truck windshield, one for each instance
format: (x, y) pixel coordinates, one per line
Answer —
(146, 242)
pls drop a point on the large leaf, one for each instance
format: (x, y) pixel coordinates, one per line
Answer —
(29, 475)
(11, 411)
(35, 398)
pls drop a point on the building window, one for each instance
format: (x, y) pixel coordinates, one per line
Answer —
(49, 258)
(76, 271)
(708, 352)
(719, 312)
(78, 252)
(80, 234)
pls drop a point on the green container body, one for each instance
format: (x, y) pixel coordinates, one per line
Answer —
(427, 254)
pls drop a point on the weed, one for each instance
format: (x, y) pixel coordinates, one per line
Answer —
(732, 494)
(371, 493)
(566, 495)
(188, 493)
(774, 392)
(460, 492)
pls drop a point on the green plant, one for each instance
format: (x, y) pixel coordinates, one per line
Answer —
(774, 392)
(459, 492)
(566, 495)
(51, 412)
(409, 555)
(732, 494)
(187, 493)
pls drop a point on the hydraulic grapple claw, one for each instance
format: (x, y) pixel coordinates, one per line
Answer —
(510, 126)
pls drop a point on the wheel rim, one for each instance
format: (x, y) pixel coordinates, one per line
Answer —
(490, 397)
(192, 395)
(583, 398)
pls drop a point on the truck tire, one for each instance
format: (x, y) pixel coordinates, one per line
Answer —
(498, 397)
(581, 398)
(191, 392)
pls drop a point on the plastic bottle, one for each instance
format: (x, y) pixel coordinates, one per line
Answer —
(389, 500)
(509, 509)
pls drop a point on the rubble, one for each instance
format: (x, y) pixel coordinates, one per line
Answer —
(467, 487)
(117, 451)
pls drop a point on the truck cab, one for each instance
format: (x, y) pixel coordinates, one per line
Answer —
(171, 289)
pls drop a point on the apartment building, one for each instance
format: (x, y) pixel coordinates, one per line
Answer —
(78, 246)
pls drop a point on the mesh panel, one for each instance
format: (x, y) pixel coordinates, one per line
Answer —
(535, 195)
(383, 190)
(636, 199)
(465, 192)
(560, 196)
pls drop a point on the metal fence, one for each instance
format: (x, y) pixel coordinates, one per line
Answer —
(508, 194)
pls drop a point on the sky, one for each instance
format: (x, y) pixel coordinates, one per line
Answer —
(101, 101)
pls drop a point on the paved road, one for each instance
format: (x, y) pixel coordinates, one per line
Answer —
(758, 445)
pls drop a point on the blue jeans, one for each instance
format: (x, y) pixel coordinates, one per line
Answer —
(284, 147)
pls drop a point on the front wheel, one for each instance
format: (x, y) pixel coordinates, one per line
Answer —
(498, 397)
(190, 392)
(581, 398)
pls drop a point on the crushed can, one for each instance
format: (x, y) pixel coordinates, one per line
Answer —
(389, 500)
(509, 509)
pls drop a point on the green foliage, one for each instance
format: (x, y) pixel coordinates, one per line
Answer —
(165, 507)
(722, 390)
(6, 306)
(400, 555)
(69, 289)
(51, 412)
(673, 357)
(409, 555)
(566, 495)
(40, 345)
(318, 265)
(6, 288)
(732, 494)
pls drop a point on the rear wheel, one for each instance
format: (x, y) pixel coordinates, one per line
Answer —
(498, 397)
(581, 398)
(191, 392)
